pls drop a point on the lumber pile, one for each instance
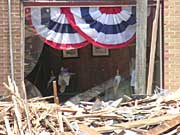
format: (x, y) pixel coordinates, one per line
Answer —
(158, 114)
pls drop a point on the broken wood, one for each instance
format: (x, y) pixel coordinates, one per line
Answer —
(170, 124)
(68, 124)
(60, 120)
(92, 93)
(56, 99)
(88, 130)
(7, 124)
(160, 111)
(153, 49)
(26, 108)
(134, 124)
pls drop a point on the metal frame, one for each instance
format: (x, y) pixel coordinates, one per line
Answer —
(99, 54)
(82, 3)
(65, 54)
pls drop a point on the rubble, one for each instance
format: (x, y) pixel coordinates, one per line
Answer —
(93, 92)
(157, 114)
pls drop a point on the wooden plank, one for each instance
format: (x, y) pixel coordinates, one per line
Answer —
(7, 124)
(140, 101)
(134, 124)
(161, 45)
(164, 127)
(141, 41)
(153, 49)
(81, 3)
(84, 3)
(88, 130)
(60, 120)
(100, 115)
(26, 108)
(67, 133)
(68, 124)
(56, 99)
(93, 92)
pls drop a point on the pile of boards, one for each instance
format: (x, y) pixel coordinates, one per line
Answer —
(157, 114)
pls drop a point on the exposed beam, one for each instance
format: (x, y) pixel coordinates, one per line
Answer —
(141, 42)
(153, 50)
(84, 3)
(79, 3)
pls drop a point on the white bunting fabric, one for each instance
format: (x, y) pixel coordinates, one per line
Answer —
(75, 27)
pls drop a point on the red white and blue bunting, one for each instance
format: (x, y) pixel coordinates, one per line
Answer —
(53, 28)
(104, 27)
(75, 27)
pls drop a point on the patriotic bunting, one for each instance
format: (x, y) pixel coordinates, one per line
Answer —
(75, 27)
(53, 28)
(104, 27)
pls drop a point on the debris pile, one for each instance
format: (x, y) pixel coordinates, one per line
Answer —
(158, 114)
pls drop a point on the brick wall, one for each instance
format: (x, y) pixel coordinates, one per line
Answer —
(172, 44)
(4, 42)
(171, 34)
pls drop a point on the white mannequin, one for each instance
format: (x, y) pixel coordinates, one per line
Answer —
(116, 82)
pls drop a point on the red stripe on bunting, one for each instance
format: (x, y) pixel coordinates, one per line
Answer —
(64, 46)
(110, 10)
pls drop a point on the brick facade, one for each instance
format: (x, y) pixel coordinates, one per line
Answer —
(4, 42)
(172, 44)
(171, 48)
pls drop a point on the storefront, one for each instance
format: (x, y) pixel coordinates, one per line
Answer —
(91, 66)
(101, 40)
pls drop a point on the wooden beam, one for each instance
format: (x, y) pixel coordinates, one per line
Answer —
(141, 41)
(79, 3)
(56, 99)
(137, 123)
(83, 3)
(167, 125)
(88, 130)
(153, 49)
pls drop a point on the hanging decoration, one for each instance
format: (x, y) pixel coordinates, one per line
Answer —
(107, 27)
(75, 27)
(54, 29)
